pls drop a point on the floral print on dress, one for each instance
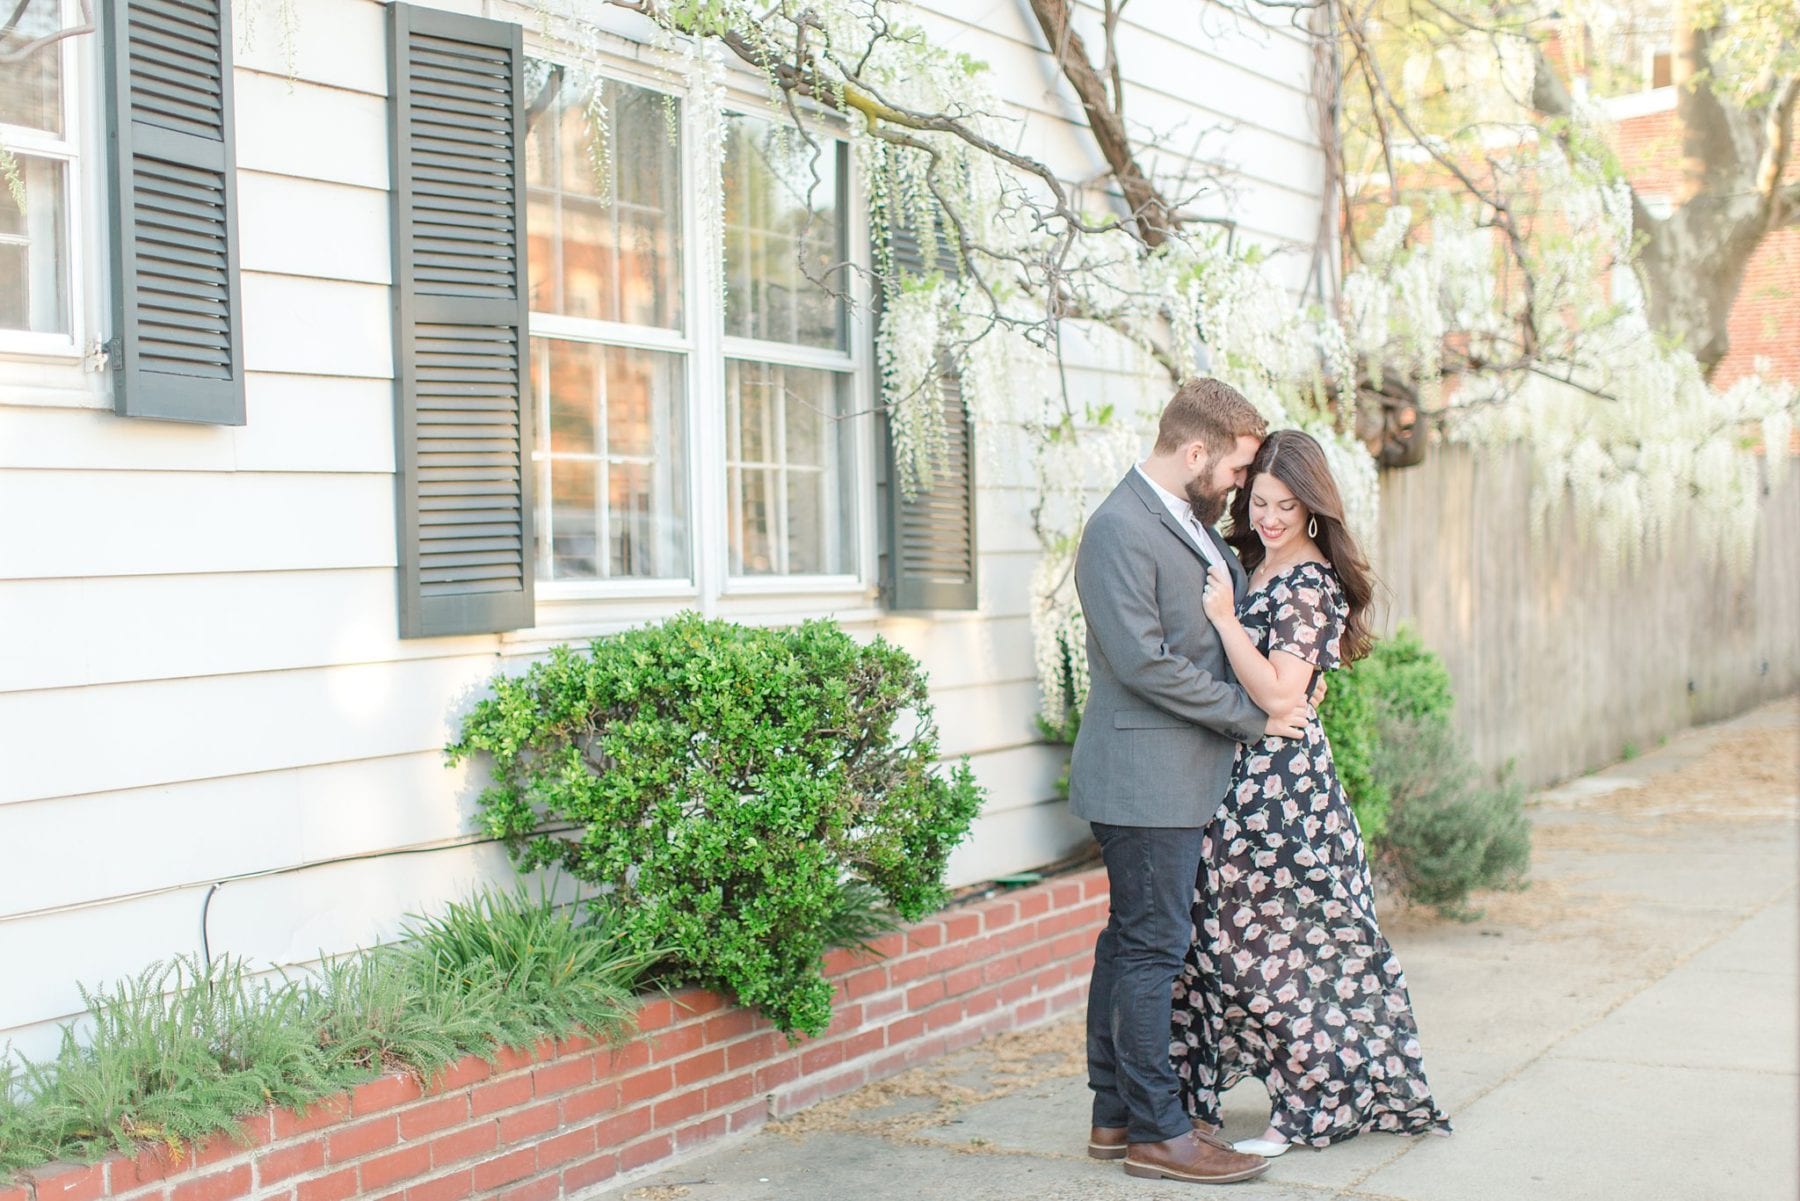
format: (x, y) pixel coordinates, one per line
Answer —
(1289, 978)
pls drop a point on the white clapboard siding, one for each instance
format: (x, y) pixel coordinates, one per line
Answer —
(93, 523)
(962, 649)
(339, 43)
(137, 840)
(306, 227)
(292, 127)
(1031, 836)
(188, 729)
(294, 423)
(306, 326)
(980, 717)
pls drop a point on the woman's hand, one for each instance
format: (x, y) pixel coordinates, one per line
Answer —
(1220, 602)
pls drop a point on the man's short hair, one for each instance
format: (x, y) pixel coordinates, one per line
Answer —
(1209, 411)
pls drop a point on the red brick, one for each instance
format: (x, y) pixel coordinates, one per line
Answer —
(887, 1005)
(1051, 976)
(554, 1152)
(1033, 957)
(1065, 894)
(385, 1093)
(278, 1163)
(434, 1115)
(525, 1123)
(561, 1075)
(464, 1071)
(1014, 988)
(1014, 937)
(1000, 915)
(869, 980)
(648, 1151)
(655, 1015)
(961, 926)
(405, 1164)
(962, 980)
(513, 1059)
(699, 1067)
(218, 1186)
(818, 1058)
(652, 1083)
(678, 1109)
(840, 961)
(589, 1172)
(151, 1164)
(751, 1115)
(922, 937)
(329, 1112)
(333, 1187)
(905, 1030)
(694, 1002)
(981, 1002)
(542, 1189)
(452, 1186)
(516, 1165)
(478, 1139)
(1095, 885)
(947, 1014)
(1029, 1012)
(69, 1182)
(616, 1132)
(913, 967)
(780, 1072)
(722, 1094)
(866, 1043)
(588, 1102)
(354, 1142)
(629, 1058)
(726, 1026)
(15, 1193)
(689, 1137)
(752, 1050)
(920, 996)
(499, 1094)
(678, 1041)
(1032, 903)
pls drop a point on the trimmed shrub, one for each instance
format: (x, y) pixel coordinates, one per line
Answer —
(727, 789)
(1450, 832)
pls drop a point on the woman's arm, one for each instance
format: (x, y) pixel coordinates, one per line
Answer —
(1278, 683)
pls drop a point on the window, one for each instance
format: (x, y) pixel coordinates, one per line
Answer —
(676, 434)
(610, 353)
(37, 306)
(790, 478)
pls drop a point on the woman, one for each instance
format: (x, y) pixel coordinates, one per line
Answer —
(1289, 979)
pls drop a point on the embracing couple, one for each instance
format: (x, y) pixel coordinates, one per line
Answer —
(1242, 938)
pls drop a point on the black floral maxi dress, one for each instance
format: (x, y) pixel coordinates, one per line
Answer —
(1289, 979)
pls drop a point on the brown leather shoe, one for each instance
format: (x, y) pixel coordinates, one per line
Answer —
(1192, 1157)
(1109, 1142)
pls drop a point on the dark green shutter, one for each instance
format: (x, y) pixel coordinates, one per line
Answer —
(177, 350)
(457, 136)
(930, 552)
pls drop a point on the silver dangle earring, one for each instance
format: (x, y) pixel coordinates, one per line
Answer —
(1312, 527)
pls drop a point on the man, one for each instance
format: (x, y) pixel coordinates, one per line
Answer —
(1161, 727)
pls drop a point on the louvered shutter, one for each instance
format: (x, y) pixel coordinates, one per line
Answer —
(177, 348)
(931, 535)
(463, 421)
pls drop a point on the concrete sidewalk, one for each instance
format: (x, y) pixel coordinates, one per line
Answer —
(1623, 1029)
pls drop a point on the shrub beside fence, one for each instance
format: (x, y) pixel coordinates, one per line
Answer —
(570, 1114)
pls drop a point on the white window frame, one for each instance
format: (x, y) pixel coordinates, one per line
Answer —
(79, 155)
(570, 608)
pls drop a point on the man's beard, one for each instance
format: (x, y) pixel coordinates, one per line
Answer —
(1207, 506)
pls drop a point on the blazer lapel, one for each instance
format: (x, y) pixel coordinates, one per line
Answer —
(1154, 505)
(1240, 582)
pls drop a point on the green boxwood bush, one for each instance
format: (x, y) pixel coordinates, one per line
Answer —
(731, 792)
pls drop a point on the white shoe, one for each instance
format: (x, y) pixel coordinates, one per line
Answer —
(1262, 1147)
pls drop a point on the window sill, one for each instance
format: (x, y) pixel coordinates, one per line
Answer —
(55, 379)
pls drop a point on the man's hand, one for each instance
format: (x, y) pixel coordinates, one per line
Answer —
(1289, 725)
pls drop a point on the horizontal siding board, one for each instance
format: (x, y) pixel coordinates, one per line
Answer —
(290, 127)
(166, 731)
(313, 228)
(337, 43)
(303, 326)
(1013, 840)
(103, 523)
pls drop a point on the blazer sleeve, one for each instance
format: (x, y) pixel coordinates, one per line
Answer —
(1115, 576)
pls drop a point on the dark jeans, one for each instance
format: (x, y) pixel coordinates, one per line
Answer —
(1151, 871)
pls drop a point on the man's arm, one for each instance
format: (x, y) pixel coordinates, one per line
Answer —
(1115, 574)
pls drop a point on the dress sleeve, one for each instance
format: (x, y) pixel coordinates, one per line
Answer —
(1307, 619)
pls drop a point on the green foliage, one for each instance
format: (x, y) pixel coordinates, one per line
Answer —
(1399, 679)
(1450, 832)
(727, 785)
(183, 1051)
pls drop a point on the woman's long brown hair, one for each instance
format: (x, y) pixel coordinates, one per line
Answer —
(1297, 460)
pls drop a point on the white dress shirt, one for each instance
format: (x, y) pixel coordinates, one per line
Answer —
(1183, 512)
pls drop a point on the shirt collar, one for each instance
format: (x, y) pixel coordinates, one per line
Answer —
(1177, 505)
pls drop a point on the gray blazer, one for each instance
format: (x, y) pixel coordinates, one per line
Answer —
(1164, 714)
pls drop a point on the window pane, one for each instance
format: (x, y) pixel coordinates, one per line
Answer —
(790, 471)
(783, 235)
(34, 249)
(612, 474)
(31, 91)
(604, 208)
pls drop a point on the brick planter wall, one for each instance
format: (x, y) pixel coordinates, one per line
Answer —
(569, 1115)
